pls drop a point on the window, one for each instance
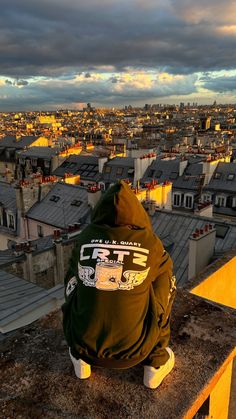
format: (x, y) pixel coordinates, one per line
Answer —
(76, 203)
(217, 175)
(206, 198)
(72, 165)
(230, 176)
(40, 230)
(107, 169)
(188, 201)
(119, 171)
(46, 163)
(22, 160)
(54, 198)
(220, 201)
(1, 216)
(84, 166)
(102, 186)
(11, 221)
(177, 199)
(221, 230)
(34, 161)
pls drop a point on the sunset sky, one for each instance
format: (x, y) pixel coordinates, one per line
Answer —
(64, 53)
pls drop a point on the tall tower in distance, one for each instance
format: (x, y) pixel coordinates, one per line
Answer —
(205, 122)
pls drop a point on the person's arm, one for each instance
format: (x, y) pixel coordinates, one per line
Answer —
(70, 280)
(164, 285)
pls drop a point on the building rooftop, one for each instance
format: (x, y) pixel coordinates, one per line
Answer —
(13, 142)
(224, 178)
(85, 166)
(174, 229)
(7, 196)
(65, 204)
(39, 152)
(118, 168)
(22, 302)
(38, 379)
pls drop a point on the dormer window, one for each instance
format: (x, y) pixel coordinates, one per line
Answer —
(34, 161)
(107, 169)
(119, 171)
(10, 221)
(220, 200)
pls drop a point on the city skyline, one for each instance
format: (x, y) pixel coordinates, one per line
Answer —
(57, 54)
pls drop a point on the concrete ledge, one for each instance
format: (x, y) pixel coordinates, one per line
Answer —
(38, 379)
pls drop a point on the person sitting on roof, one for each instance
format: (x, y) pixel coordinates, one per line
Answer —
(119, 291)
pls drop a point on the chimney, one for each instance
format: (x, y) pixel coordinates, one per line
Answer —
(182, 166)
(204, 209)
(94, 194)
(201, 249)
(167, 195)
(20, 199)
(101, 162)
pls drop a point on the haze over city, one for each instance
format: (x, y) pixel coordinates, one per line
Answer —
(62, 54)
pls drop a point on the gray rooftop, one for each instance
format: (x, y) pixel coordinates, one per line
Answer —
(65, 204)
(85, 166)
(22, 302)
(118, 168)
(12, 142)
(174, 229)
(39, 152)
(7, 196)
(224, 178)
(161, 170)
(190, 180)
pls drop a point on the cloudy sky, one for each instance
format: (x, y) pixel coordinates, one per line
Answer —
(64, 53)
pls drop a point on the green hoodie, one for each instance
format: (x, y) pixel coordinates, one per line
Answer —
(113, 314)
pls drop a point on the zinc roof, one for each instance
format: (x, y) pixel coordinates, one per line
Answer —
(59, 208)
(174, 229)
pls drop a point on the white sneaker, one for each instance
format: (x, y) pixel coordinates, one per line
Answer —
(82, 369)
(153, 377)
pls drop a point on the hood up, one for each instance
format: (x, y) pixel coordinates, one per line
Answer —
(119, 206)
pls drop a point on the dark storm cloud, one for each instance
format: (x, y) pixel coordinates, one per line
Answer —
(53, 37)
(224, 84)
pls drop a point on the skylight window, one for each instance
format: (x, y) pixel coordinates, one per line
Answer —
(230, 176)
(76, 203)
(221, 230)
(84, 166)
(217, 175)
(54, 198)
